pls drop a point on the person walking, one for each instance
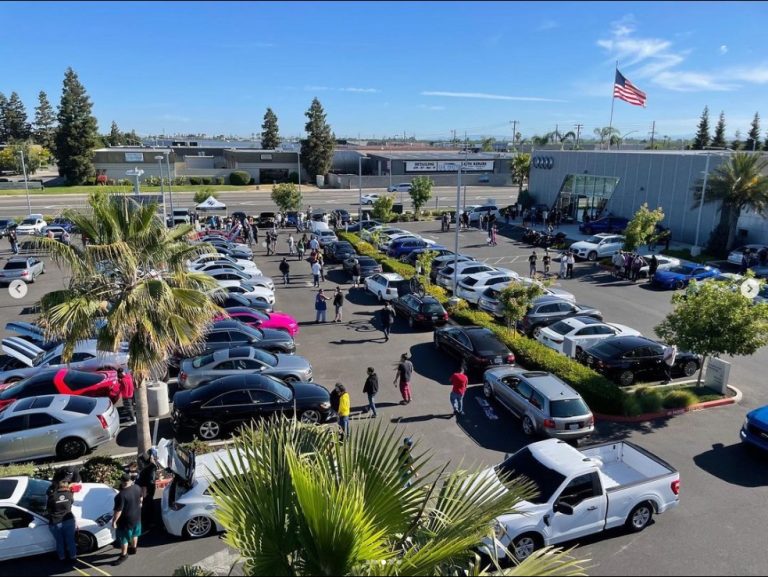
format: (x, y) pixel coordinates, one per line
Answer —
(405, 462)
(291, 245)
(653, 266)
(300, 247)
(15, 243)
(61, 521)
(387, 318)
(65, 238)
(269, 242)
(494, 232)
(545, 261)
(285, 270)
(344, 409)
(146, 481)
(670, 355)
(532, 264)
(356, 273)
(402, 380)
(338, 304)
(320, 306)
(316, 270)
(571, 260)
(458, 382)
(321, 262)
(371, 388)
(126, 518)
(563, 261)
(125, 381)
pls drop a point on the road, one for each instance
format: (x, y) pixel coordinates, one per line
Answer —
(256, 201)
(717, 530)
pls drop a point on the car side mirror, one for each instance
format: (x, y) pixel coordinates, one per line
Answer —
(563, 508)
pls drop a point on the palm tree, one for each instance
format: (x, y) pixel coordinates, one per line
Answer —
(607, 133)
(129, 284)
(521, 167)
(309, 504)
(741, 183)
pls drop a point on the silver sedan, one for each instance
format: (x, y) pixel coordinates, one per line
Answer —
(24, 268)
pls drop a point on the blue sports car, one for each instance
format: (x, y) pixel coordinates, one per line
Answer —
(754, 432)
(678, 277)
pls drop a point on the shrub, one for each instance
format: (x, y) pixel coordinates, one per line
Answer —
(526, 199)
(207, 180)
(191, 571)
(125, 182)
(198, 446)
(180, 181)
(203, 194)
(18, 470)
(632, 407)
(679, 400)
(45, 472)
(293, 177)
(195, 180)
(649, 399)
(220, 180)
(239, 178)
(102, 470)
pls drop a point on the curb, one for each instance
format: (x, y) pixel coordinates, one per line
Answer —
(668, 413)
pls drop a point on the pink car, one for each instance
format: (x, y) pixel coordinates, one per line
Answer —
(262, 320)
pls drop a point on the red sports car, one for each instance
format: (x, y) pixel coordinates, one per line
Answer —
(62, 381)
(262, 320)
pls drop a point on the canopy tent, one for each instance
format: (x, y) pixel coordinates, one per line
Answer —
(211, 203)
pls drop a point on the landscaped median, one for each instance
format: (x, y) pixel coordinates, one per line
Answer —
(607, 400)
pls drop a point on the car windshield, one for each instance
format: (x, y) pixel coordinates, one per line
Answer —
(594, 239)
(471, 281)
(607, 349)
(366, 262)
(561, 328)
(202, 360)
(491, 293)
(568, 408)
(77, 380)
(488, 344)
(523, 463)
(682, 269)
(29, 221)
(432, 308)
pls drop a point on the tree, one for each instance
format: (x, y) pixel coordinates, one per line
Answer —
(286, 196)
(736, 143)
(130, 284)
(516, 299)
(719, 139)
(44, 127)
(424, 264)
(35, 156)
(701, 140)
(311, 504)
(421, 192)
(317, 149)
(15, 119)
(521, 167)
(202, 195)
(270, 137)
(608, 133)
(753, 136)
(642, 227)
(115, 137)
(3, 129)
(77, 134)
(739, 183)
(715, 318)
(382, 208)
(487, 144)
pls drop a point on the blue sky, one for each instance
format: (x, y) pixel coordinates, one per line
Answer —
(382, 68)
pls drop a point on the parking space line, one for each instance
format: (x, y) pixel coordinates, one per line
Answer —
(94, 568)
(81, 572)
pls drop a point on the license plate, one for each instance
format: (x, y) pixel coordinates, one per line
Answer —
(434, 318)
(574, 426)
(497, 360)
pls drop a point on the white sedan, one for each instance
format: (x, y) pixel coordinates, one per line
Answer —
(583, 332)
(366, 235)
(471, 287)
(369, 198)
(247, 290)
(385, 286)
(31, 225)
(665, 263)
(241, 276)
(24, 527)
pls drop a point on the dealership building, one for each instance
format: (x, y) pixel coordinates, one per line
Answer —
(597, 183)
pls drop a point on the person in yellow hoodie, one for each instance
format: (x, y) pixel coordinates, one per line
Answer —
(344, 409)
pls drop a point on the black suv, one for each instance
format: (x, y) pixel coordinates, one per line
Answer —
(6, 226)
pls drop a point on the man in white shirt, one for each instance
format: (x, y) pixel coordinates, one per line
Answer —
(314, 244)
(316, 270)
(670, 354)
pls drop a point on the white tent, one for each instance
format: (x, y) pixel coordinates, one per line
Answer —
(211, 203)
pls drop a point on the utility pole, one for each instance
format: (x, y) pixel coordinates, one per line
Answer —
(578, 128)
(514, 133)
(653, 133)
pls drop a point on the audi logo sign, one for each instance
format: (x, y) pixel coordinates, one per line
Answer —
(543, 162)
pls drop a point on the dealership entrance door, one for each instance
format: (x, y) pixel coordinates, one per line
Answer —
(584, 194)
(270, 175)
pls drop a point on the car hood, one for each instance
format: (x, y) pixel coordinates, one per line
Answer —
(292, 363)
(583, 244)
(93, 500)
(310, 392)
(759, 416)
(282, 319)
(275, 335)
(668, 275)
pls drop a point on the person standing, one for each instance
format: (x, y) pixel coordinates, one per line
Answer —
(387, 318)
(291, 245)
(653, 266)
(285, 270)
(320, 306)
(126, 518)
(146, 481)
(532, 264)
(618, 263)
(300, 250)
(563, 261)
(65, 238)
(545, 261)
(405, 462)
(570, 261)
(321, 262)
(15, 243)
(61, 521)
(670, 355)
(316, 270)
(344, 409)
(125, 380)
(493, 235)
(314, 244)
(403, 375)
(371, 388)
(637, 263)
(458, 382)
(356, 273)
(338, 304)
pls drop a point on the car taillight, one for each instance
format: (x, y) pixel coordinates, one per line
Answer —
(511, 359)
(675, 486)
(75, 487)
(182, 377)
(549, 424)
(445, 316)
(103, 422)
(590, 421)
(420, 317)
(25, 272)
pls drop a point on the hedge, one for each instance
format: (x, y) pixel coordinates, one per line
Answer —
(601, 394)
(239, 178)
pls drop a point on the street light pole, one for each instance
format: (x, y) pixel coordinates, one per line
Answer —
(159, 159)
(456, 236)
(170, 190)
(26, 181)
(701, 205)
(360, 188)
(298, 162)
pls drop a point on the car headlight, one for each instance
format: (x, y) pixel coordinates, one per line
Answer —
(499, 530)
(325, 406)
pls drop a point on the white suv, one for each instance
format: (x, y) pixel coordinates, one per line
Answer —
(598, 246)
(402, 187)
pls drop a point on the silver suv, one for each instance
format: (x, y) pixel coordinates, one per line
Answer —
(544, 403)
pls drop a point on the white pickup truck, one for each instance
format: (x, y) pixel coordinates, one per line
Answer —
(581, 492)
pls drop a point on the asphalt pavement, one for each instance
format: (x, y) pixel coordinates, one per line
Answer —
(717, 530)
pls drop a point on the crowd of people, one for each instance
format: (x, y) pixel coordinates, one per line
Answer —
(628, 264)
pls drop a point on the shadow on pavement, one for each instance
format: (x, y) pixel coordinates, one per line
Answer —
(607, 431)
(432, 364)
(360, 296)
(734, 464)
(489, 425)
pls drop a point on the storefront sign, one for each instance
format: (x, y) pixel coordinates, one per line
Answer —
(717, 374)
(134, 157)
(447, 165)
(266, 157)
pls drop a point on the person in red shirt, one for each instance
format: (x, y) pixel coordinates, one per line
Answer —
(459, 382)
(126, 392)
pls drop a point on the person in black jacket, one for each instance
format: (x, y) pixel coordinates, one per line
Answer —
(146, 480)
(387, 317)
(285, 270)
(356, 274)
(338, 303)
(61, 521)
(371, 388)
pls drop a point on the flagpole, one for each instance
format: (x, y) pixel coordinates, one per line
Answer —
(613, 101)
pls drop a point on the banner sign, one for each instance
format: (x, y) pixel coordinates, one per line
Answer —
(447, 165)
(134, 157)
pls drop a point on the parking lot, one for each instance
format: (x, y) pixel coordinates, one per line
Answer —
(717, 527)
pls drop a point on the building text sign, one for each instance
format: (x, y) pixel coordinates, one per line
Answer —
(447, 165)
(134, 157)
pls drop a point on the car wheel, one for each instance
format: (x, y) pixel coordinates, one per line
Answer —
(537, 333)
(86, 543)
(626, 378)
(690, 368)
(487, 390)
(592, 256)
(640, 517)
(198, 527)
(679, 285)
(528, 427)
(71, 448)
(209, 430)
(290, 380)
(524, 546)
(310, 417)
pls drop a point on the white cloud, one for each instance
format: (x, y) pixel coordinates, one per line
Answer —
(347, 89)
(425, 107)
(362, 90)
(724, 49)
(680, 81)
(486, 96)
(548, 25)
(756, 75)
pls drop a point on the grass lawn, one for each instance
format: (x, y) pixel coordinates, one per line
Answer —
(125, 189)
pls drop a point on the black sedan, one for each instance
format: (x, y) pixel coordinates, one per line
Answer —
(414, 255)
(478, 348)
(237, 300)
(423, 311)
(233, 252)
(626, 360)
(224, 405)
(339, 251)
(231, 333)
(368, 266)
(364, 225)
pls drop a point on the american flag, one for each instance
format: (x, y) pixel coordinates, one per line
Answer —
(628, 92)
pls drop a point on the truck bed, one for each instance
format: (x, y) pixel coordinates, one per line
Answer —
(622, 464)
